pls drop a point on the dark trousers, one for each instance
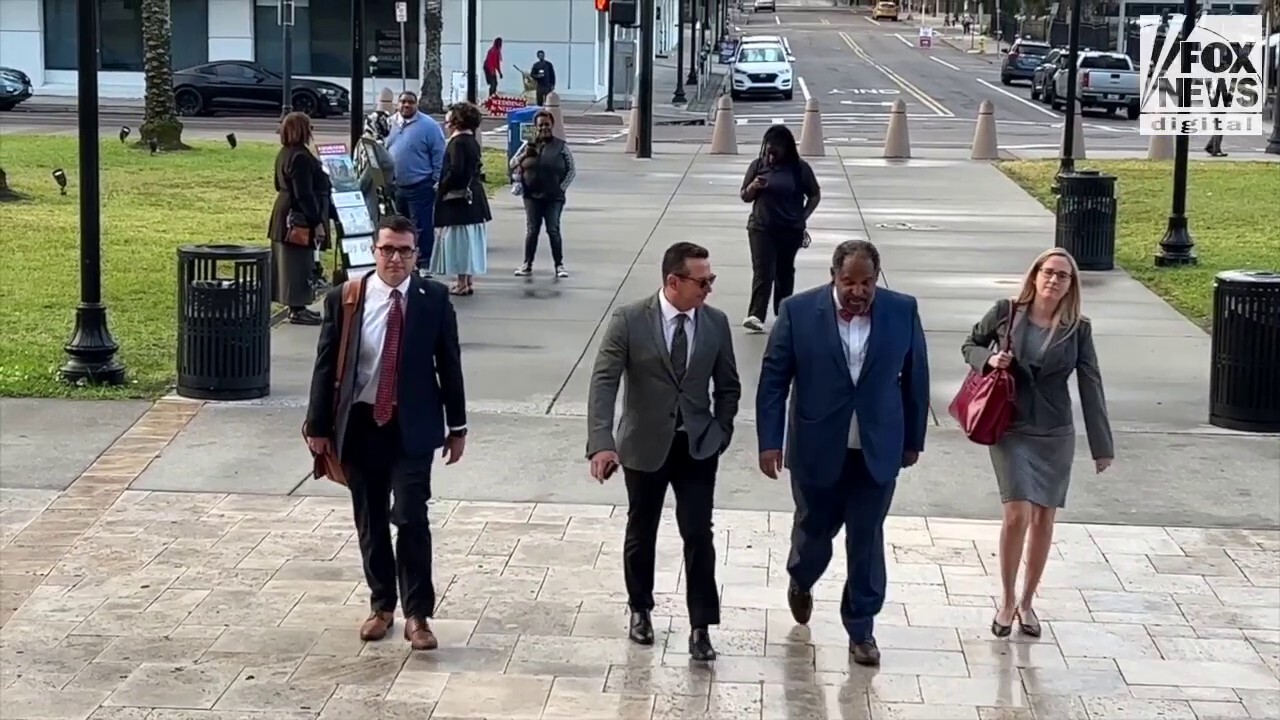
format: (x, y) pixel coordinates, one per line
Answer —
(538, 211)
(860, 505)
(377, 470)
(541, 94)
(773, 267)
(694, 484)
(492, 79)
(1215, 145)
(418, 202)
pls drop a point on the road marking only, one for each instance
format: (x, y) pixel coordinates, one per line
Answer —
(903, 40)
(804, 87)
(873, 22)
(897, 79)
(1020, 99)
(944, 63)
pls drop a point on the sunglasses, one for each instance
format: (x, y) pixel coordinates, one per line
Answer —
(703, 283)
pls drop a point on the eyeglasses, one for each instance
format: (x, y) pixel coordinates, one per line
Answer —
(1051, 274)
(390, 251)
(703, 283)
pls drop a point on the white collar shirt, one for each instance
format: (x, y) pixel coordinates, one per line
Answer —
(669, 314)
(854, 335)
(373, 332)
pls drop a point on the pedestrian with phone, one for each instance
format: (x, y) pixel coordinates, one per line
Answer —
(679, 401)
(783, 192)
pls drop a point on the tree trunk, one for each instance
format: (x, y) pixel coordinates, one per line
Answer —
(5, 192)
(432, 96)
(159, 120)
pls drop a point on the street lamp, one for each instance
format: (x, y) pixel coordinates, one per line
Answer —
(91, 351)
(473, 41)
(644, 83)
(678, 97)
(286, 12)
(357, 72)
(1176, 247)
(1067, 163)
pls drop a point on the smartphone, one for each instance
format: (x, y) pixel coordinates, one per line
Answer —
(610, 469)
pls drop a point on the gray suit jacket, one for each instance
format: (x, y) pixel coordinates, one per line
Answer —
(634, 345)
(1043, 405)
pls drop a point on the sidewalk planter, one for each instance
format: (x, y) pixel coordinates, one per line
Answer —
(1244, 377)
(1086, 218)
(224, 322)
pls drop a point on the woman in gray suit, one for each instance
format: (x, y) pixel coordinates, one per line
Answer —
(1050, 339)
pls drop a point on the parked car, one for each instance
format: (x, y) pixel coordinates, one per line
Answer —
(885, 11)
(1023, 58)
(761, 69)
(771, 39)
(15, 87)
(764, 6)
(1044, 73)
(238, 85)
(1106, 80)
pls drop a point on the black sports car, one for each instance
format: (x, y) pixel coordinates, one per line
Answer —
(239, 85)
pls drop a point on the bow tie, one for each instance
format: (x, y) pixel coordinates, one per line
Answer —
(847, 316)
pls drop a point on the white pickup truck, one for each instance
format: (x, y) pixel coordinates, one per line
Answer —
(1106, 80)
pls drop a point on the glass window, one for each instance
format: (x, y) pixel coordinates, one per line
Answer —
(120, 34)
(322, 37)
(761, 54)
(1105, 62)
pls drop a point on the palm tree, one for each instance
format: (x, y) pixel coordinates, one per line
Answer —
(1270, 11)
(432, 95)
(159, 120)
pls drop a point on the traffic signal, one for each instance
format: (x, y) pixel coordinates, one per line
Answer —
(602, 5)
(622, 12)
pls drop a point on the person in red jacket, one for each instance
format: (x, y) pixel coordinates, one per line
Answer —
(493, 66)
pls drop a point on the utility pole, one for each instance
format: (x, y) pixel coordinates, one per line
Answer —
(613, 36)
(286, 10)
(644, 89)
(473, 40)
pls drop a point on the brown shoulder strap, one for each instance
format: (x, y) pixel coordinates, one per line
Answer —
(350, 297)
(1006, 339)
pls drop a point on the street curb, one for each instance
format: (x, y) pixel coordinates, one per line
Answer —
(983, 57)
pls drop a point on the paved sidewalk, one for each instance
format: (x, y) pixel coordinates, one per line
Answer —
(178, 606)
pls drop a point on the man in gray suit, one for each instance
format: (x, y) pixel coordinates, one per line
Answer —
(680, 399)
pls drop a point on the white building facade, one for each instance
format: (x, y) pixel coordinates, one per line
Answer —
(39, 38)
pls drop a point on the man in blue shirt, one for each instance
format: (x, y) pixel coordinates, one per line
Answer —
(417, 145)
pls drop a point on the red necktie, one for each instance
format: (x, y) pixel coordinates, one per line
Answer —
(387, 369)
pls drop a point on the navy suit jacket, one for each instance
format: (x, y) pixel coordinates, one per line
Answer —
(891, 396)
(430, 397)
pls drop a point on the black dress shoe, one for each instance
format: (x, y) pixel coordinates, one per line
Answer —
(641, 628)
(865, 653)
(304, 316)
(700, 646)
(801, 603)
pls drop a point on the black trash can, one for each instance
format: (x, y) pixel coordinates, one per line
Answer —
(1244, 378)
(1086, 218)
(224, 322)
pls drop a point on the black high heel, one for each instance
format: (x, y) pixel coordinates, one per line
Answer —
(1000, 631)
(1031, 629)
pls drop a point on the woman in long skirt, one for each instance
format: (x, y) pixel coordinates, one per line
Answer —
(462, 207)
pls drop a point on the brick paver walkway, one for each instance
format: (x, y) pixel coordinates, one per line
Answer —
(173, 606)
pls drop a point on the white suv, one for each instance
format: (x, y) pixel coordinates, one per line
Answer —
(761, 69)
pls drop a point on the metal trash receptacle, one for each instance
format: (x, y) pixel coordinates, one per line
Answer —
(224, 322)
(1244, 375)
(1086, 218)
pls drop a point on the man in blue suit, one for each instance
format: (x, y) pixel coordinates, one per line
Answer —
(856, 357)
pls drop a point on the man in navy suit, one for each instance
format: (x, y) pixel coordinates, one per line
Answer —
(396, 400)
(856, 356)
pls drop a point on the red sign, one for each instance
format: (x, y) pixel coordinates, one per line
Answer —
(503, 104)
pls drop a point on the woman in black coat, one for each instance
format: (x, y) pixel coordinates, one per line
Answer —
(462, 207)
(297, 219)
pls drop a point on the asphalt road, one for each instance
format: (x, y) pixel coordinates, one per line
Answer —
(857, 67)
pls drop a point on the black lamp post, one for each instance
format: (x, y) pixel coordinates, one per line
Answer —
(1273, 142)
(695, 23)
(644, 84)
(1067, 163)
(1176, 247)
(91, 351)
(473, 40)
(678, 97)
(286, 50)
(357, 72)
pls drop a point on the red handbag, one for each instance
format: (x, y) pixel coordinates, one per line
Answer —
(984, 405)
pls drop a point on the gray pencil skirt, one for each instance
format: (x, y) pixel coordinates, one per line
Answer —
(1034, 468)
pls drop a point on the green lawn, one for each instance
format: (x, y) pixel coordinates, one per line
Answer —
(150, 206)
(1232, 211)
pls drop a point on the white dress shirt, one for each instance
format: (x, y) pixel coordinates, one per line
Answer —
(853, 336)
(669, 313)
(373, 332)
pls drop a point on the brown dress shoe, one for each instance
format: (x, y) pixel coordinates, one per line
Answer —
(419, 634)
(375, 628)
(865, 653)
